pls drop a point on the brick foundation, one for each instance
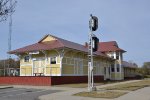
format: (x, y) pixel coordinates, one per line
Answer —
(46, 80)
(73, 79)
(26, 80)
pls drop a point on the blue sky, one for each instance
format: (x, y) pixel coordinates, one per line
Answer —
(125, 21)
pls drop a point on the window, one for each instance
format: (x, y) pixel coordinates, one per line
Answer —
(109, 70)
(104, 70)
(112, 56)
(72, 61)
(53, 60)
(118, 69)
(112, 68)
(117, 57)
(64, 60)
(26, 59)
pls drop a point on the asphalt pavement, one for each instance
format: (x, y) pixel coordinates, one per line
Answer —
(23, 93)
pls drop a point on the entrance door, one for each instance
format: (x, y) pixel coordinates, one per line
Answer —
(38, 67)
(106, 73)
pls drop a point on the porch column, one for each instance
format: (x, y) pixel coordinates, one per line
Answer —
(44, 52)
(115, 66)
(32, 67)
(61, 55)
(30, 58)
(120, 65)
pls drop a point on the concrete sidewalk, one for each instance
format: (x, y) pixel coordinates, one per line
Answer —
(66, 94)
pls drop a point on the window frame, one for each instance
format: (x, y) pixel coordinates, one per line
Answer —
(112, 68)
(25, 58)
(118, 68)
(55, 60)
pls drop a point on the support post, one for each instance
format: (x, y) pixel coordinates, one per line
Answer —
(93, 27)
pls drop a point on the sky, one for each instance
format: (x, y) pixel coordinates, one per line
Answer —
(124, 21)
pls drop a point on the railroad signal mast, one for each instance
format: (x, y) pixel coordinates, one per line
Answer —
(92, 47)
(7, 8)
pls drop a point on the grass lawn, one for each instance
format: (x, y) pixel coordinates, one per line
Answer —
(78, 85)
(130, 86)
(116, 90)
(84, 85)
(101, 94)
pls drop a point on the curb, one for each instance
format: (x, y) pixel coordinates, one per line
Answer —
(6, 87)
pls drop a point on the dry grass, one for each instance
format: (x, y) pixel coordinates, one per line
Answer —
(84, 85)
(116, 90)
(78, 85)
(130, 86)
(101, 94)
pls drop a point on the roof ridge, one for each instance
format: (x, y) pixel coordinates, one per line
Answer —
(58, 38)
(108, 41)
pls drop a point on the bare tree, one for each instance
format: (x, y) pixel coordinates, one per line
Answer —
(7, 7)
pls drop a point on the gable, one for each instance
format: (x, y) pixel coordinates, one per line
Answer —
(47, 38)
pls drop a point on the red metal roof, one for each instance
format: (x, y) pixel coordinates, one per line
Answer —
(38, 46)
(109, 46)
(58, 43)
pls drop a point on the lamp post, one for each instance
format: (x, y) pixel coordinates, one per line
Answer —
(92, 47)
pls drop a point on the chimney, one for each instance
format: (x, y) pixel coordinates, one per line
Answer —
(86, 44)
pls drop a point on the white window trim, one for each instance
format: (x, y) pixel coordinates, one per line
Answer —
(52, 74)
(25, 65)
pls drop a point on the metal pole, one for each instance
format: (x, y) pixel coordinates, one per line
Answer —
(9, 40)
(4, 67)
(91, 59)
(90, 63)
(93, 24)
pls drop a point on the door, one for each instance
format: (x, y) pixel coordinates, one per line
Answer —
(38, 67)
(106, 73)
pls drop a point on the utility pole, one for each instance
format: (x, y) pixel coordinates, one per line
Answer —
(92, 47)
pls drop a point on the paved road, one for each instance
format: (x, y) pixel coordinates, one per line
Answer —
(23, 93)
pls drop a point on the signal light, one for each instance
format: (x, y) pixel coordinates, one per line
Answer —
(93, 24)
(95, 42)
